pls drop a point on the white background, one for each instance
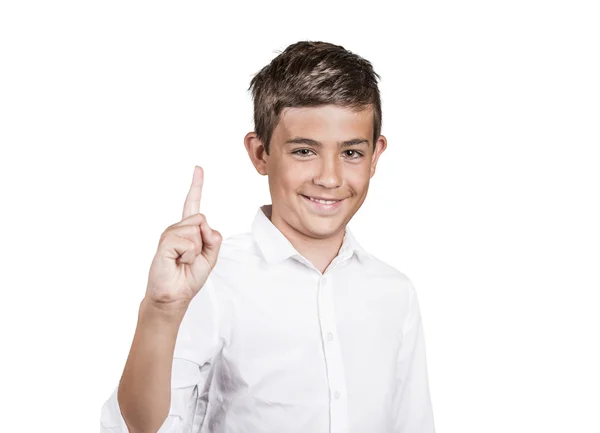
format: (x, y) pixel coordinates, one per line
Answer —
(487, 196)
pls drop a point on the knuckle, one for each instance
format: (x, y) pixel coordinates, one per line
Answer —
(193, 231)
(189, 227)
(163, 236)
(196, 217)
(195, 237)
(168, 232)
(191, 246)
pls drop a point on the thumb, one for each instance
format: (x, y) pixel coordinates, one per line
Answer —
(211, 243)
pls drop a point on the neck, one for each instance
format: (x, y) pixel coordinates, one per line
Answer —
(319, 251)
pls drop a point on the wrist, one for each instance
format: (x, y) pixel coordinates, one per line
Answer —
(168, 311)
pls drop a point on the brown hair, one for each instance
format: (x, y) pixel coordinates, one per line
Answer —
(310, 73)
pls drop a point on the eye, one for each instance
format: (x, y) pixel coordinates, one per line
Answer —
(355, 153)
(296, 152)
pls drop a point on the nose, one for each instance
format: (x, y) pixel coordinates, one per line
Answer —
(328, 175)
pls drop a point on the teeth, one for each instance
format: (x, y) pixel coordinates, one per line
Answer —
(324, 201)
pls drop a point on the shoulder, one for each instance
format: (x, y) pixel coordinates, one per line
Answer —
(381, 270)
(238, 256)
(238, 246)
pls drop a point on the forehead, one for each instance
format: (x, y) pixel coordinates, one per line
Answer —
(324, 122)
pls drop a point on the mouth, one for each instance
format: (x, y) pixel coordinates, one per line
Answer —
(323, 205)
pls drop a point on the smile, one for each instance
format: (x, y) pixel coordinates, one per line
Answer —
(323, 205)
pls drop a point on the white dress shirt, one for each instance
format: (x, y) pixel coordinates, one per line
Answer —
(270, 344)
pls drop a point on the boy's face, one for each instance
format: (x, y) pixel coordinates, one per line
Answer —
(298, 167)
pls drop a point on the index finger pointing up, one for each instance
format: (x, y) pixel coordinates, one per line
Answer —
(192, 201)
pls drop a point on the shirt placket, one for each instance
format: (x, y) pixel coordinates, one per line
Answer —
(338, 401)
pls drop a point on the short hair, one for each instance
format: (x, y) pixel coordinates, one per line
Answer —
(309, 74)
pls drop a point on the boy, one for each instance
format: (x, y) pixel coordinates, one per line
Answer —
(292, 327)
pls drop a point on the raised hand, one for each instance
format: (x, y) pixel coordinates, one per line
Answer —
(187, 252)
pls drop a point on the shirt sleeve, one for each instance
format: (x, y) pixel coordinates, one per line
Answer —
(196, 347)
(412, 401)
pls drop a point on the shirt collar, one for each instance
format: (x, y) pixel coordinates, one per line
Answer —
(275, 247)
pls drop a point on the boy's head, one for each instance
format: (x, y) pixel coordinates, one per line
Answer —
(310, 74)
(317, 115)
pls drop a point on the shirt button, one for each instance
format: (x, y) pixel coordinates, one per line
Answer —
(329, 336)
(337, 395)
(324, 280)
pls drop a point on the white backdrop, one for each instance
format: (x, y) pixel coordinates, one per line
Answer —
(489, 185)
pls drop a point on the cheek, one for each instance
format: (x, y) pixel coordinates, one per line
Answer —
(358, 177)
(287, 178)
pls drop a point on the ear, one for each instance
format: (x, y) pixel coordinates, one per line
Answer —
(380, 146)
(256, 152)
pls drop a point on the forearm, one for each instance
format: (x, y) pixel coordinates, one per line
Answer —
(144, 393)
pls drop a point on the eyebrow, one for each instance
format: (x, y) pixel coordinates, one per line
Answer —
(311, 142)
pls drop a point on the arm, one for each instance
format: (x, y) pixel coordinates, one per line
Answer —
(186, 384)
(164, 379)
(144, 392)
(412, 401)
